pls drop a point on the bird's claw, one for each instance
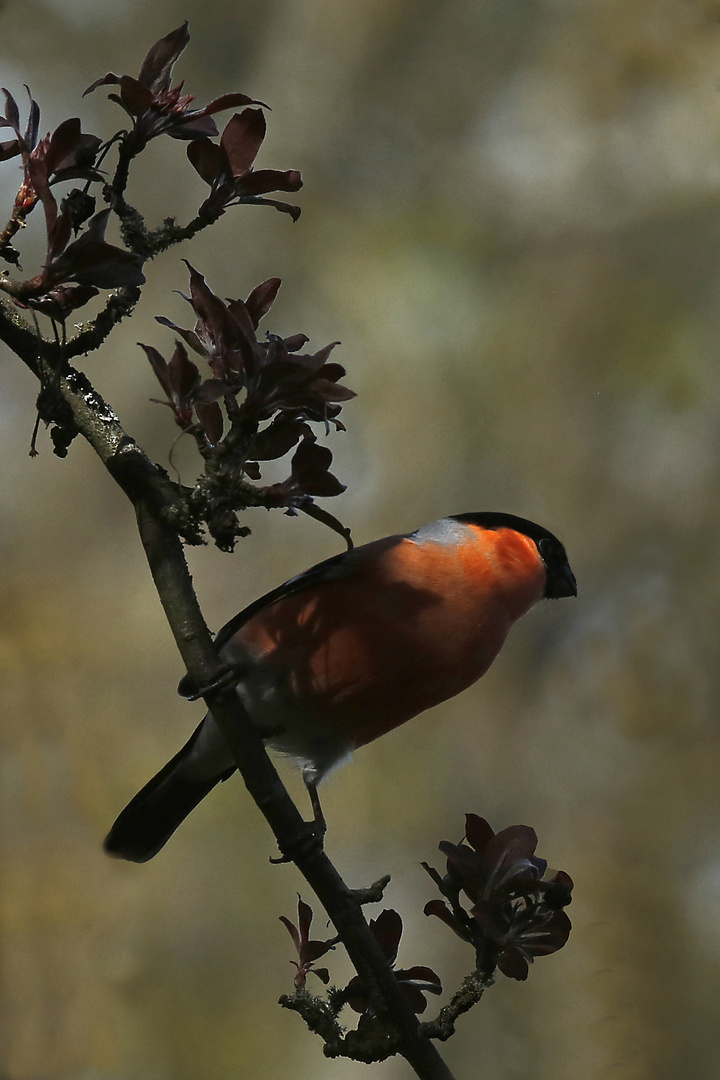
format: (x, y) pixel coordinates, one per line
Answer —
(308, 841)
(226, 680)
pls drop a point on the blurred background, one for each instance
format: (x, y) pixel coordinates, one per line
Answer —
(511, 220)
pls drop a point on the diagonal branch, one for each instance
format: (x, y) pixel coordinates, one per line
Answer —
(294, 836)
(472, 989)
(157, 506)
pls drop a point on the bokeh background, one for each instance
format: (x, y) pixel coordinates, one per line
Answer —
(511, 220)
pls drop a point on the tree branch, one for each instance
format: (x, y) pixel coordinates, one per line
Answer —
(294, 836)
(157, 505)
(472, 989)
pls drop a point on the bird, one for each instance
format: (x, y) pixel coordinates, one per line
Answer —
(354, 647)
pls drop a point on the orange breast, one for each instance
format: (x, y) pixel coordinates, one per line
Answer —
(414, 624)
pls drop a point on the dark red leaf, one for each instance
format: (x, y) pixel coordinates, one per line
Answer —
(292, 930)
(242, 138)
(478, 832)
(229, 101)
(292, 344)
(9, 149)
(321, 484)
(98, 263)
(261, 181)
(330, 391)
(211, 390)
(58, 235)
(333, 372)
(159, 366)
(97, 225)
(442, 911)
(309, 456)
(191, 125)
(208, 307)
(31, 131)
(285, 208)
(304, 919)
(429, 979)
(106, 80)
(78, 206)
(320, 514)
(156, 70)
(562, 880)
(313, 950)
(134, 96)
(323, 354)
(286, 374)
(513, 964)
(187, 335)
(183, 375)
(63, 299)
(387, 929)
(207, 158)
(511, 845)
(210, 417)
(551, 937)
(12, 112)
(241, 317)
(278, 438)
(220, 328)
(261, 299)
(65, 143)
(415, 996)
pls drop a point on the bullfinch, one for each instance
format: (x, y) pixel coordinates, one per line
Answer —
(354, 647)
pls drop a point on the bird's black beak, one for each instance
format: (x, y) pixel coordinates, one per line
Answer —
(560, 582)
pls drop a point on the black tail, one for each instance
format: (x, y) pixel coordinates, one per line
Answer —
(150, 819)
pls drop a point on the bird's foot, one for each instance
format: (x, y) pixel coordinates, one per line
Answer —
(227, 680)
(308, 841)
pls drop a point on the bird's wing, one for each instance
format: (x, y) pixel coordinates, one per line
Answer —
(332, 569)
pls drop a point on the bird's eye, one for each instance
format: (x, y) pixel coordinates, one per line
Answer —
(545, 547)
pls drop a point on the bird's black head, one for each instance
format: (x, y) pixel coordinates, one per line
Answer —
(560, 580)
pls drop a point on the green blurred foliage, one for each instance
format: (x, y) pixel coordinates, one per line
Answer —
(510, 219)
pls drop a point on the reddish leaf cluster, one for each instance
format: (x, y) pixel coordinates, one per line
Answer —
(25, 140)
(258, 399)
(89, 261)
(516, 911)
(181, 381)
(73, 271)
(258, 381)
(228, 168)
(415, 981)
(308, 476)
(308, 950)
(67, 154)
(156, 107)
